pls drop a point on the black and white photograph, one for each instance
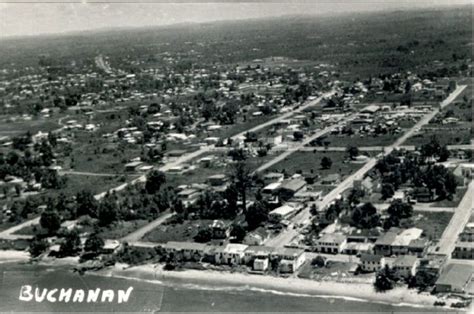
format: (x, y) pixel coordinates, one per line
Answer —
(241, 156)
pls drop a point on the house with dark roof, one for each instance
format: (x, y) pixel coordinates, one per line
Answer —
(424, 195)
(464, 248)
(418, 247)
(289, 188)
(383, 245)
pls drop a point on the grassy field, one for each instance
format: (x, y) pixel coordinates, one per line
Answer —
(121, 229)
(219, 166)
(231, 130)
(432, 223)
(466, 92)
(454, 202)
(311, 161)
(21, 127)
(176, 232)
(95, 184)
(445, 137)
(357, 140)
(94, 154)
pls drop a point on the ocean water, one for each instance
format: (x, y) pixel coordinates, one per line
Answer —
(167, 296)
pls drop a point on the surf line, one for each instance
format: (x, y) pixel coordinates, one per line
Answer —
(66, 295)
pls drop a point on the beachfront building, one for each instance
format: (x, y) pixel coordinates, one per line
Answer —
(290, 259)
(405, 266)
(331, 243)
(456, 278)
(464, 248)
(403, 239)
(189, 250)
(256, 237)
(258, 257)
(399, 242)
(358, 248)
(231, 254)
(371, 262)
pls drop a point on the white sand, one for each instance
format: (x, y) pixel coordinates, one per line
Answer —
(198, 278)
(9, 256)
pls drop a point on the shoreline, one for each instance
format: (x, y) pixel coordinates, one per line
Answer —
(13, 256)
(235, 281)
(219, 281)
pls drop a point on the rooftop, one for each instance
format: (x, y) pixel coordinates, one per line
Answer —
(259, 250)
(333, 238)
(175, 245)
(235, 248)
(293, 185)
(406, 236)
(365, 257)
(405, 261)
(284, 251)
(283, 210)
(455, 275)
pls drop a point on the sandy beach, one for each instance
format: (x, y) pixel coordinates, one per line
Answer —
(277, 285)
(11, 256)
(217, 280)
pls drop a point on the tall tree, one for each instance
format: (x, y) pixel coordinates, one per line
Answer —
(256, 214)
(352, 151)
(94, 243)
(86, 204)
(108, 210)
(242, 179)
(37, 247)
(155, 179)
(387, 190)
(326, 162)
(365, 216)
(51, 221)
(71, 244)
(384, 279)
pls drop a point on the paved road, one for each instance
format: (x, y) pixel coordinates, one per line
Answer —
(102, 64)
(419, 208)
(458, 221)
(144, 244)
(139, 233)
(303, 143)
(289, 234)
(93, 174)
(9, 233)
(285, 115)
(363, 148)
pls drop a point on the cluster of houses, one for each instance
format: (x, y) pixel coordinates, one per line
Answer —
(464, 247)
(259, 258)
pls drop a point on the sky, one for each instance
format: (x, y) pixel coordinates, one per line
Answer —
(30, 17)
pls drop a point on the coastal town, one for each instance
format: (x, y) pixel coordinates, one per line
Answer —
(270, 166)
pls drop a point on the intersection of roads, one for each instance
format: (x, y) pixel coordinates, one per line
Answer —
(445, 245)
